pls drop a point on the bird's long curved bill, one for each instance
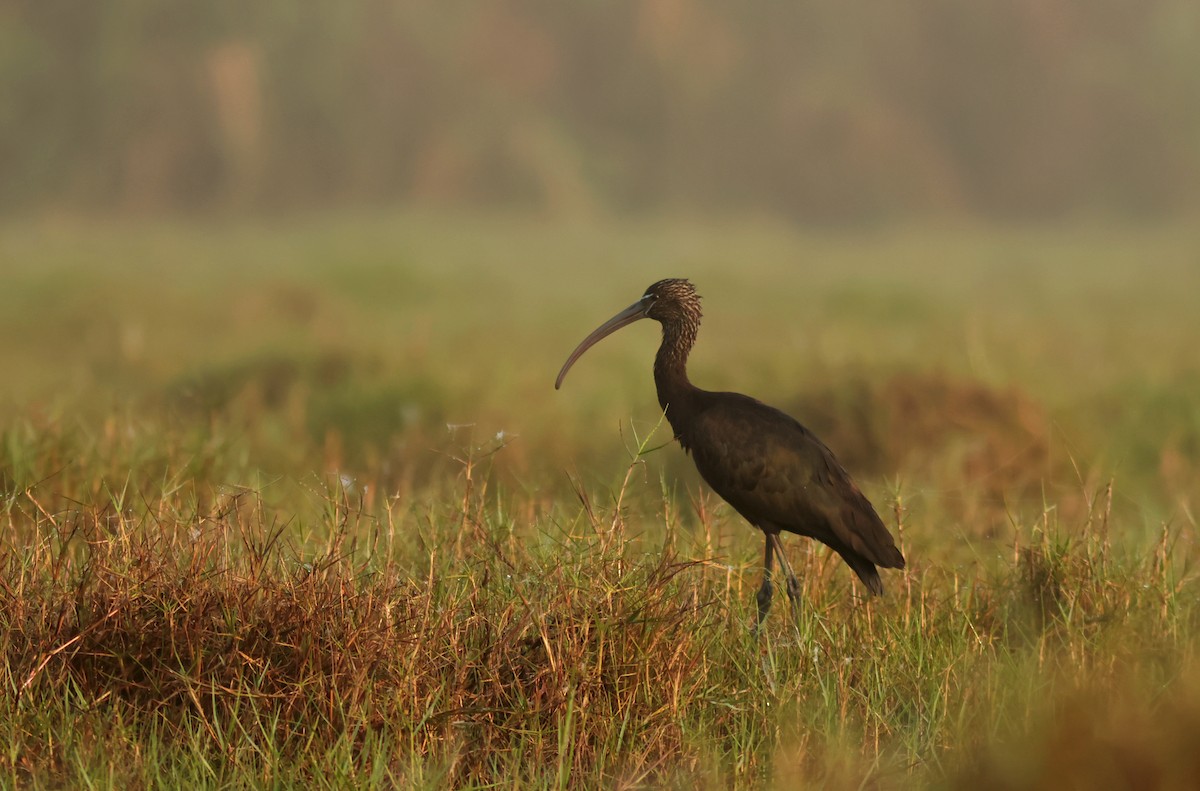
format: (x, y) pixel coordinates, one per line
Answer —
(631, 314)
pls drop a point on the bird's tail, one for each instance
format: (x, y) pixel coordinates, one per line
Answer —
(870, 542)
(864, 568)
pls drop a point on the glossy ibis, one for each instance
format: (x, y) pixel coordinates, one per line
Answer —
(771, 469)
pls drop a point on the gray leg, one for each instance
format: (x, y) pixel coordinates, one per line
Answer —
(793, 584)
(764, 593)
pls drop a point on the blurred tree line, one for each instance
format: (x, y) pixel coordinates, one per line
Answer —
(819, 110)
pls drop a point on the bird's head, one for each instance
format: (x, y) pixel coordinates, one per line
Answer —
(669, 301)
(673, 299)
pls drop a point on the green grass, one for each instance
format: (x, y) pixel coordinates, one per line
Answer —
(298, 506)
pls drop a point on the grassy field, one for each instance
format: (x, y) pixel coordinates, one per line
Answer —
(296, 504)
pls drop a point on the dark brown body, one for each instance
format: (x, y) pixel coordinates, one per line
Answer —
(771, 469)
(791, 482)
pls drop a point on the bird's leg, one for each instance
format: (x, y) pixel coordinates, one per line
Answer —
(793, 584)
(764, 593)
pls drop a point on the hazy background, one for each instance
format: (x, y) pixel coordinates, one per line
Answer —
(945, 234)
(817, 112)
